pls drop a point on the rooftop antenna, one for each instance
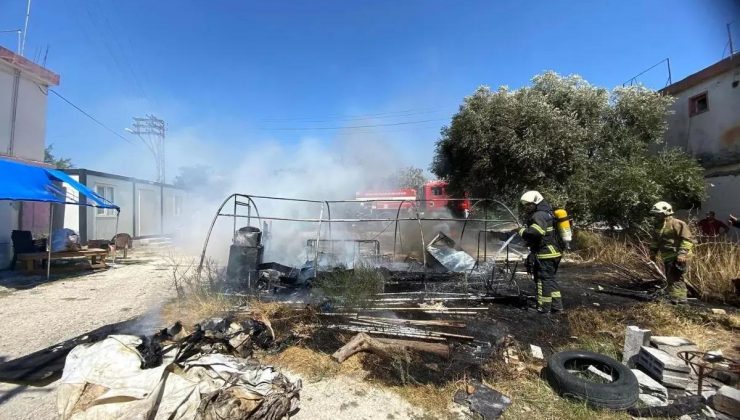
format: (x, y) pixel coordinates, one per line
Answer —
(17, 31)
(729, 36)
(634, 79)
(25, 27)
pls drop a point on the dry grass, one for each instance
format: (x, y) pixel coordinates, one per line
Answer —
(605, 328)
(712, 266)
(194, 308)
(314, 365)
(532, 398)
(600, 248)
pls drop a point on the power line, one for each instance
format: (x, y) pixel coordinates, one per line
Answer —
(349, 126)
(90, 116)
(118, 46)
(102, 38)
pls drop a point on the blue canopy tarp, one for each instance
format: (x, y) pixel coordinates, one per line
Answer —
(23, 182)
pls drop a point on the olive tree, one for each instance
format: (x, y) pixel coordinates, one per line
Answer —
(408, 177)
(596, 152)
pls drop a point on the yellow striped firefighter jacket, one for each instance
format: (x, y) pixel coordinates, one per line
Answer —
(672, 237)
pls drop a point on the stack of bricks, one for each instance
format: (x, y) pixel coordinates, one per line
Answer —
(669, 370)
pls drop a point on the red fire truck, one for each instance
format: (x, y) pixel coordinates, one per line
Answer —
(433, 201)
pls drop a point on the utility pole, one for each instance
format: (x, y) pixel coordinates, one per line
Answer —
(151, 130)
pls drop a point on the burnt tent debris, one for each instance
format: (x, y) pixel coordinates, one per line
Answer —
(410, 248)
(207, 373)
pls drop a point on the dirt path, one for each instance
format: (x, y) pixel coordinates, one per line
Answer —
(36, 316)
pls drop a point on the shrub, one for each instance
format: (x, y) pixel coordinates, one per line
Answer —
(352, 288)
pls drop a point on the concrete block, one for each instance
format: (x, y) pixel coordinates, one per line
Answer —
(536, 351)
(672, 345)
(649, 385)
(727, 400)
(652, 401)
(675, 393)
(593, 369)
(634, 339)
(677, 382)
(727, 378)
(722, 416)
(666, 369)
(670, 341)
(663, 361)
(652, 393)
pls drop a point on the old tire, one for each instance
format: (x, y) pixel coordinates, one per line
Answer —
(620, 394)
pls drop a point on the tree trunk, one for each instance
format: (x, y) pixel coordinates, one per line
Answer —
(387, 347)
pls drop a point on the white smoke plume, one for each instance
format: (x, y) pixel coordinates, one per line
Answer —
(311, 169)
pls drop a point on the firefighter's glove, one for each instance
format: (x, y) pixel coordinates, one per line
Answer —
(530, 262)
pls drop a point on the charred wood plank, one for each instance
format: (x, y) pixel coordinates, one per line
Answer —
(388, 348)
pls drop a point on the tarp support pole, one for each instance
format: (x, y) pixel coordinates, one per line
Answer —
(115, 237)
(48, 242)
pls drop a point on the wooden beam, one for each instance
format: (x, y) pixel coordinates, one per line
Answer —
(387, 348)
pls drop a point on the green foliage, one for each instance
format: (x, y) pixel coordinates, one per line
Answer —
(583, 147)
(351, 288)
(59, 163)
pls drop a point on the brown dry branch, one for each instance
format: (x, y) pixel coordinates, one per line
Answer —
(388, 348)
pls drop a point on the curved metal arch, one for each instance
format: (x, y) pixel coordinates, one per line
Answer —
(483, 200)
(213, 223)
(421, 230)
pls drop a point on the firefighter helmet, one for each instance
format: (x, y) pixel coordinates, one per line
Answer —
(661, 207)
(532, 197)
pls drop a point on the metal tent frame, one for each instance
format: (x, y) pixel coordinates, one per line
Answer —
(248, 200)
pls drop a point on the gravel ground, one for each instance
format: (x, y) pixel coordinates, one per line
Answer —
(37, 315)
(342, 397)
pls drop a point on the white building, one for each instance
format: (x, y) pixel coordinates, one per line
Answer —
(706, 124)
(147, 208)
(23, 99)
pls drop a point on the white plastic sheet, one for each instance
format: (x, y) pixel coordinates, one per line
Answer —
(105, 381)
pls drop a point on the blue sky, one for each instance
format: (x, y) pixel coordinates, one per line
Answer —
(230, 77)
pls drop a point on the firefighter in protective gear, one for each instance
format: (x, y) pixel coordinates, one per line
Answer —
(673, 240)
(544, 252)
